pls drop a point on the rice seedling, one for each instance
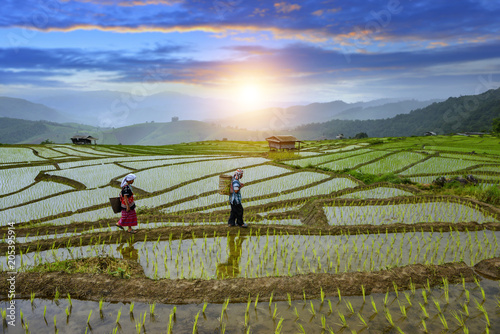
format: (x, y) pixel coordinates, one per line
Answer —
(443, 321)
(170, 323)
(402, 309)
(459, 318)
(312, 311)
(343, 321)
(424, 311)
(296, 313)
(436, 303)
(388, 316)
(374, 305)
(275, 312)
(362, 320)
(195, 329)
(88, 319)
(118, 315)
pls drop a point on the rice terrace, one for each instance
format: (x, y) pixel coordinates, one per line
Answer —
(344, 236)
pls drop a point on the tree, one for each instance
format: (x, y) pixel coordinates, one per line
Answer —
(47, 141)
(495, 127)
(361, 135)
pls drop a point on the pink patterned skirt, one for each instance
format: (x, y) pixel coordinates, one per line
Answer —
(128, 218)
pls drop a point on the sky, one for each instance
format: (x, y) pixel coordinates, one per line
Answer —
(252, 53)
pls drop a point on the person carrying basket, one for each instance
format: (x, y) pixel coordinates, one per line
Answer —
(236, 217)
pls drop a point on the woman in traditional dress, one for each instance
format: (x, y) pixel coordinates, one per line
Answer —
(129, 217)
(236, 216)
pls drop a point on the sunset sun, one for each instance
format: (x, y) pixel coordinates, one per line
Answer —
(250, 96)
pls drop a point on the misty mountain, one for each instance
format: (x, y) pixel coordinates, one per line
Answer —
(116, 109)
(456, 114)
(17, 131)
(23, 109)
(387, 110)
(174, 133)
(287, 118)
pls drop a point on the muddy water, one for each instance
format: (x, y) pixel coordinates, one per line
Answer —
(265, 317)
(284, 255)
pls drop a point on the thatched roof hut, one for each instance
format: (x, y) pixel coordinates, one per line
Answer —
(282, 142)
(79, 139)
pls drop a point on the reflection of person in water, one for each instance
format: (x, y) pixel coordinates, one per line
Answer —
(128, 252)
(231, 268)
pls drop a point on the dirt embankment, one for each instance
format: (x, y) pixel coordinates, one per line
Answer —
(141, 289)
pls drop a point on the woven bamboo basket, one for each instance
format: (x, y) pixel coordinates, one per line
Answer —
(224, 184)
(115, 204)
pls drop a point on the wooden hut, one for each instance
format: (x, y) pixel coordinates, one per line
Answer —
(282, 142)
(78, 139)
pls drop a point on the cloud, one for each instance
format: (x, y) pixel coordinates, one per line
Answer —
(366, 25)
(129, 3)
(294, 64)
(283, 7)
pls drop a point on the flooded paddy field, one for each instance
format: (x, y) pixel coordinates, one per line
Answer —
(334, 245)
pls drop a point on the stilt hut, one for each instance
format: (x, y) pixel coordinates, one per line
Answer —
(283, 142)
(79, 139)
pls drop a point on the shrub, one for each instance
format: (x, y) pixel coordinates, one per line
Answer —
(372, 178)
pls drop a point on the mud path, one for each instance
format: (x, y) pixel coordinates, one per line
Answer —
(141, 289)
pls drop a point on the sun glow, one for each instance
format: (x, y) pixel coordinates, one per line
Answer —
(250, 96)
(249, 93)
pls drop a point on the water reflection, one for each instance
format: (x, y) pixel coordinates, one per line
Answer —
(128, 252)
(231, 268)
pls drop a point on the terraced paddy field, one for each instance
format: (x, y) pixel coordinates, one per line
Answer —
(345, 236)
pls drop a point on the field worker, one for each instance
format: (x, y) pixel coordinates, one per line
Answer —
(129, 217)
(236, 217)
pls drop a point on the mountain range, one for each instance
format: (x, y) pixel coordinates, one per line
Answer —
(116, 109)
(324, 120)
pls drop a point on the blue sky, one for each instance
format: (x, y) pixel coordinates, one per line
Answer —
(252, 52)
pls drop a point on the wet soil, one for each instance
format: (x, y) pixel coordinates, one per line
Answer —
(141, 289)
(489, 268)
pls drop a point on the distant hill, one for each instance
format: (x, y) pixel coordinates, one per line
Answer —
(116, 109)
(175, 132)
(387, 110)
(23, 109)
(456, 114)
(286, 118)
(17, 131)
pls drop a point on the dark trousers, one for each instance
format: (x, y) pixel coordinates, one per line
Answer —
(236, 214)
